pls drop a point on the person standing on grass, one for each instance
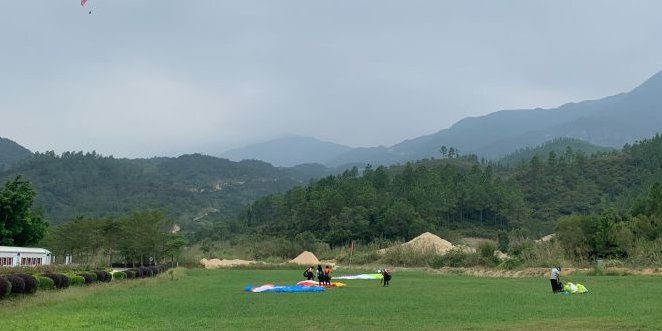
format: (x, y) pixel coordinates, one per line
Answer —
(555, 280)
(386, 277)
(320, 275)
(327, 275)
(309, 273)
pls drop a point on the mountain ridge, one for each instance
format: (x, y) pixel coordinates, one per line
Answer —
(288, 151)
(611, 121)
(10, 152)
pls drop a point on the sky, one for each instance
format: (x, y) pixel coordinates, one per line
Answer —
(143, 78)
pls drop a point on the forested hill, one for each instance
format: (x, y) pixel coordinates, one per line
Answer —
(401, 202)
(559, 146)
(11, 152)
(188, 186)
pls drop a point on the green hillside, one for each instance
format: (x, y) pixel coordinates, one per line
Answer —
(559, 146)
(401, 202)
(187, 186)
(11, 152)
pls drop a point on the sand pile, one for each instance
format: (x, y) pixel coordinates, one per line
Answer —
(216, 263)
(306, 258)
(426, 241)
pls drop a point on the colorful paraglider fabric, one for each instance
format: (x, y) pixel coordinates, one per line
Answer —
(574, 288)
(283, 288)
(314, 283)
(360, 276)
(82, 2)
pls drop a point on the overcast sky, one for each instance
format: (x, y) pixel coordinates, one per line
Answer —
(139, 78)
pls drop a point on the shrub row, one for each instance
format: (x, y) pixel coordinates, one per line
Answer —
(23, 283)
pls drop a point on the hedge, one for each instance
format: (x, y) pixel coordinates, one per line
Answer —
(103, 275)
(31, 283)
(77, 280)
(25, 283)
(60, 280)
(138, 272)
(87, 277)
(5, 287)
(146, 272)
(119, 275)
(46, 283)
(17, 284)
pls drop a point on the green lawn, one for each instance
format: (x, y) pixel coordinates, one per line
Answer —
(215, 300)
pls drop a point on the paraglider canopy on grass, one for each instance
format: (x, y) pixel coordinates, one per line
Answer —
(283, 288)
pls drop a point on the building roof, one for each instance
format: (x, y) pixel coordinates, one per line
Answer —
(29, 250)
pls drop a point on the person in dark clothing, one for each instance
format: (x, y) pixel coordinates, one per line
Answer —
(386, 277)
(327, 275)
(320, 275)
(309, 273)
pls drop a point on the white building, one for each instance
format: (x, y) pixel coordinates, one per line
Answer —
(17, 256)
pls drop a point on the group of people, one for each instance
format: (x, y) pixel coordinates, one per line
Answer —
(323, 274)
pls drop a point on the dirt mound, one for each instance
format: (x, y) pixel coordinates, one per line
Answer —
(546, 238)
(426, 241)
(216, 263)
(306, 258)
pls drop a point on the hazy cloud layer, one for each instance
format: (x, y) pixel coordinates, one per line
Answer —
(158, 77)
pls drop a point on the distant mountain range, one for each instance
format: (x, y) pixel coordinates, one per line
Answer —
(288, 151)
(611, 122)
(11, 152)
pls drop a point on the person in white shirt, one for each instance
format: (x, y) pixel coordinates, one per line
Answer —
(554, 279)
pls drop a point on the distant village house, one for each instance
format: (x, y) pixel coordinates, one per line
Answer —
(24, 256)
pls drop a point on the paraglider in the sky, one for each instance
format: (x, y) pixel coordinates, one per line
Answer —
(82, 3)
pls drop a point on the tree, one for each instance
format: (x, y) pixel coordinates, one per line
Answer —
(503, 241)
(443, 150)
(20, 225)
(174, 244)
(451, 152)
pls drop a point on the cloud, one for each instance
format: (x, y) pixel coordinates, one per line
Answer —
(159, 77)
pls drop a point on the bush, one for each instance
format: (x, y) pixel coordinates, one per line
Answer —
(31, 283)
(46, 283)
(409, 257)
(137, 272)
(154, 270)
(487, 249)
(87, 277)
(103, 275)
(60, 280)
(17, 284)
(77, 280)
(130, 274)
(119, 275)
(65, 281)
(146, 272)
(5, 287)
(511, 263)
(452, 258)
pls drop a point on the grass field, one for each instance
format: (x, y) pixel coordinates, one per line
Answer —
(214, 300)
